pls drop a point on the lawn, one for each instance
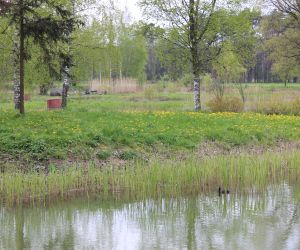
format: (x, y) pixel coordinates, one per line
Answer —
(99, 126)
(131, 145)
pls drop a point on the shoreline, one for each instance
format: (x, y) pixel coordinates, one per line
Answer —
(152, 178)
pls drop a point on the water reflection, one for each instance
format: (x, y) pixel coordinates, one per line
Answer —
(269, 220)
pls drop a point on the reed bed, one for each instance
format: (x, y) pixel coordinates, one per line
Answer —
(153, 179)
(124, 85)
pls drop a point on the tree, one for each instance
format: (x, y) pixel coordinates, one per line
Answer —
(48, 23)
(154, 68)
(191, 21)
(6, 46)
(109, 47)
(229, 69)
(197, 27)
(173, 59)
(290, 7)
(286, 69)
(282, 36)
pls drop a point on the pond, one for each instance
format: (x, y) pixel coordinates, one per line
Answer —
(268, 219)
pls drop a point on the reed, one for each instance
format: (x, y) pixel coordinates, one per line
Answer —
(168, 178)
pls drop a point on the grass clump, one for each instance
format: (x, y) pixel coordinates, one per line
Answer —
(168, 178)
(104, 155)
(127, 155)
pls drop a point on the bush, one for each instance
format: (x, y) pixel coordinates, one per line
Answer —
(227, 104)
(150, 92)
(127, 155)
(104, 155)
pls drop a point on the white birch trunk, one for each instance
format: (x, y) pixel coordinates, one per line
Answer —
(197, 94)
(66, 86)
(16, 76)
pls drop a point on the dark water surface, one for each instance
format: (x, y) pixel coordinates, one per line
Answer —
(260, 220)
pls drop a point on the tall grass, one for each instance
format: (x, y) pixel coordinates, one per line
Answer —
(124, 85)
(156, 178)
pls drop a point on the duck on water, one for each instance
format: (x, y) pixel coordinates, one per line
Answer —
(223, 191)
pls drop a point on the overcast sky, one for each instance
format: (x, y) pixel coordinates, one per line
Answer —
(132, 7)
(136, 13)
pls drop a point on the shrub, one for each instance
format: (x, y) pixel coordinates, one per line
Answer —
(227, 104)
(150, 92)
(96, 140)
(104, 155)
(127, 155)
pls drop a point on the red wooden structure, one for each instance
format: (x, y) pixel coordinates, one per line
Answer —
(54, 104)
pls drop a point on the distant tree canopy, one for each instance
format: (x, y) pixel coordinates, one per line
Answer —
(111, 48)
(180, 38)
(281, 41)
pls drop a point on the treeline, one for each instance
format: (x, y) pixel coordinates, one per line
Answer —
(245, 45)
(269, 52)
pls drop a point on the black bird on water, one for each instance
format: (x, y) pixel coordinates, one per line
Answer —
(223, 191)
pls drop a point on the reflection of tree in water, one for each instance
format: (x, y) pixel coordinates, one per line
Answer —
(208, 222)
(65, 240)
(191, 216)
(19, 229)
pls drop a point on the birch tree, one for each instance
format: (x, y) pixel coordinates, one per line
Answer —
(192, 23)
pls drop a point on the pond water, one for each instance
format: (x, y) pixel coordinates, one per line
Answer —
(259, 220)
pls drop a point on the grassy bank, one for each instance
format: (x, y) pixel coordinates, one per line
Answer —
(80, 134)
(130, 145)
(154, 178)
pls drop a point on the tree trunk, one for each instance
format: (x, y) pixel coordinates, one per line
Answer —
(194, 52)
(16, 61)
(197, 93)
(22, 58)
(110, 72)
(65, 88)
(121, 76)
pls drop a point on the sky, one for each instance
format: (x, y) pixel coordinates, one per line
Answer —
(134, 10)
(136, 13)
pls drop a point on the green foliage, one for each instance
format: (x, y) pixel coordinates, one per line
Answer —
(127, 155)
(187, 80)
(281, 41)
(227, 67)
(104, 155)
(6, 46)
(110, 48)
(173, 59)
(207, 80)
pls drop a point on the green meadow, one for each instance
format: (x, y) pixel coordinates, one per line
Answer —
(141, 145)
(89, 128)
